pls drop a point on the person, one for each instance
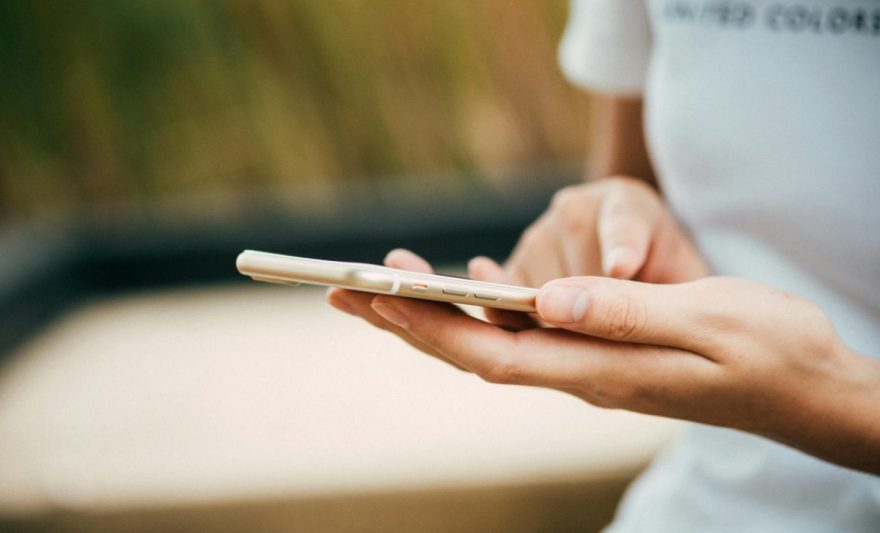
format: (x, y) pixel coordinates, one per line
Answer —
(745, 299)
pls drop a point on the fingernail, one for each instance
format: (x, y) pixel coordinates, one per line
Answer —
(563, 304)
(391, 314)
(611, 259)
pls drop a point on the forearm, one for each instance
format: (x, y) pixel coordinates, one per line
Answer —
(617, 146)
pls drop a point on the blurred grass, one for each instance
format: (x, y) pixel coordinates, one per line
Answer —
(123, 102)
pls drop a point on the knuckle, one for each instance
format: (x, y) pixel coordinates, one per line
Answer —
(625, 319)
(620, 395)
(717, 319)
(821, 337)
(531, 235)
(570, 206)
(504, 371)
(627, 197)
(564, 196)
(604, 403)
(717, 322)
(813, 314)
(629, 185)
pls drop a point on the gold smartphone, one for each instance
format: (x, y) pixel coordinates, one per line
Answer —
(290, 270)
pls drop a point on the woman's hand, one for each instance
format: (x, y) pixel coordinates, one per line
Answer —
(719, 351)
(617, 227)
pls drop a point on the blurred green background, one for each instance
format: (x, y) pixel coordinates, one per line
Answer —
(112, 107)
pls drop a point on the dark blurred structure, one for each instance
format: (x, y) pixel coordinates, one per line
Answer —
(146, 142)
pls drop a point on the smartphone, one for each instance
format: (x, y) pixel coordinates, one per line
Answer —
(290, 270)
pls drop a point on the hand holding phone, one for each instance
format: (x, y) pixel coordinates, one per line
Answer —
(290, 270)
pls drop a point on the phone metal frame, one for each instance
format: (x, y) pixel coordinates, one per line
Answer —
(291, 270)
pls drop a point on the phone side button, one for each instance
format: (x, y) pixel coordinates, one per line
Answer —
(487, 295)
(454, 292)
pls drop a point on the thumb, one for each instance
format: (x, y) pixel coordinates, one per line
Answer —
(627, 311)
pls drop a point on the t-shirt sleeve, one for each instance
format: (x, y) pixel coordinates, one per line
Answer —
(607, 45)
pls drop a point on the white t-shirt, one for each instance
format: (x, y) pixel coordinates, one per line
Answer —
(763, 122)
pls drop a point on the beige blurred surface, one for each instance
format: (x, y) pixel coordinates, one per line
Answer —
(253, 393)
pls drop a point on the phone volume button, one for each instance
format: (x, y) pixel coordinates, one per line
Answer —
(454, 292)
(487, 295)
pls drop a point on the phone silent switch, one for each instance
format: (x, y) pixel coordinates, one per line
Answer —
(454, 292)
(487, 295)
(420, 287)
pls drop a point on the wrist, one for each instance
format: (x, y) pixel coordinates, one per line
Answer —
(856, 416)
(837, 416)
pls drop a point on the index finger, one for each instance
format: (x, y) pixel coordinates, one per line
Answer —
(406, 260)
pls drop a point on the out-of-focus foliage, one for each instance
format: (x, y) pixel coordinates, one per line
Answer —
(125, 101)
